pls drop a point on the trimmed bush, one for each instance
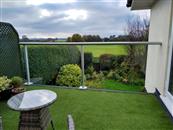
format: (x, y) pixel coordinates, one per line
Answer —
(16, 81)
(105, 61)
(88, 59)
(117, 60)
(45, 61)
(69, 75)
(108, 61)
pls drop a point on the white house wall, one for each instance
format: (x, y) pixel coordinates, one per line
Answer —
(157, 55)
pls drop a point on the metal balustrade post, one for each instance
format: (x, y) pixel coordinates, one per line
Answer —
(27, 66)
(83, 69)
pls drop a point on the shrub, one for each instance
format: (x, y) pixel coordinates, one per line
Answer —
(88, 59)
(105, 61)
(117, 61)
(126, 73)
(16, 81)
(69, 75)
(4, 83)
(98, 76)
(108, 61)
(45, 61)
(93, 84)
(90, 70)
(96, 80)
(110, 75)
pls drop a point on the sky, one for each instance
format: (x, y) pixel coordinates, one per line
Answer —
(62, 18)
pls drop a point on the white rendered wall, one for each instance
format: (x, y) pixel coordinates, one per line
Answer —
(160, 26)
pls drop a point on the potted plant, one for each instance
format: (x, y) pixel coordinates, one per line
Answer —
(5, 89)
(17, 85)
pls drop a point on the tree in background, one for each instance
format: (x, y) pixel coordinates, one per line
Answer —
(134, 64)
(137, 30)
(92, 38)
(77, 38)
(69, 39)
(25, 38)
(84, 38)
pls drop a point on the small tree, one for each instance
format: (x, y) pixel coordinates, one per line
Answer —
(137, 29)
(69, 39)
(77, 38)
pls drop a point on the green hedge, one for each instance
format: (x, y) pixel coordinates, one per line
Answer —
(45, 61)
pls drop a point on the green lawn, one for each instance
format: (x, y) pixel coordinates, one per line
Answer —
(98, 50)
(112, 84)
(94, 110)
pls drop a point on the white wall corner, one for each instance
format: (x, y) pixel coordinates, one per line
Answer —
(150, 89)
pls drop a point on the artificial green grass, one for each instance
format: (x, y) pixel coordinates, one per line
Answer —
(94, 110)
(98, 50)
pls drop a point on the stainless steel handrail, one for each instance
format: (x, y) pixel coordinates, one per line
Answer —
(92, 43)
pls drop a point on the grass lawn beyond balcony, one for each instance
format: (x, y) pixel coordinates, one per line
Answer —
(93, 110)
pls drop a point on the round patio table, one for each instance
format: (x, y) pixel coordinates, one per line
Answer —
(33, 106)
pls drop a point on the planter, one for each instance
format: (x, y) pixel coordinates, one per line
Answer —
(6, 94)
(17, 90)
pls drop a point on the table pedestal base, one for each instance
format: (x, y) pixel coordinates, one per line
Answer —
(35, 119)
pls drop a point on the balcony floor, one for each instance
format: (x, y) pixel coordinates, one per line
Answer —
(93, 110)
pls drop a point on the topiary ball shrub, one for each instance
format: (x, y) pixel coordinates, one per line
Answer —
(69, 75)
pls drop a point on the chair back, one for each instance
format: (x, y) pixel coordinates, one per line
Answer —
(70, 122)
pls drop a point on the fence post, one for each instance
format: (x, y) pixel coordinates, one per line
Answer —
(27, 66)
(83, 69)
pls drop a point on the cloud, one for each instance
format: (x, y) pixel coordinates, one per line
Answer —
(40, 2)
(74, 14)
(45, 13)
(52, 18)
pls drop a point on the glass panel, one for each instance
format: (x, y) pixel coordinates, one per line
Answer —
(115, 67)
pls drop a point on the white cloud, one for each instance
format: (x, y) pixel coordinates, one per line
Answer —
(122, 3)
(75, 14)
(45, 13)
(142, 13)
(40, 2)
(49, 35)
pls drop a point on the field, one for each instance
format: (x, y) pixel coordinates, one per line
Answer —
(98, 50)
